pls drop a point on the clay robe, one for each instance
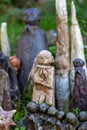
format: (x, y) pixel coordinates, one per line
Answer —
(31, 42)
(43, 90)
(80, 86)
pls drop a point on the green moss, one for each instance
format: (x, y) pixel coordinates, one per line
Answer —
(52, 49)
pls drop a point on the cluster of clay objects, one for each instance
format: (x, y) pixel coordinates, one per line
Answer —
(45, 117)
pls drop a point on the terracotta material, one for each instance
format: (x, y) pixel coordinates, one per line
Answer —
(15, 63)
(43, 90)
(6, 119)
(31, 42)
(77, 46)
(45, 117)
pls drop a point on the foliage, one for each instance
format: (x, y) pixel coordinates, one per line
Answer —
(76, 111)
(49, 16)
(52, 49)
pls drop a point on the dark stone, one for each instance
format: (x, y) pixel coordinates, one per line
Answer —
(32, 107)
(60, 115)
(83, 116)
(69, 127)
(49, 123)
(31, 42)
(80, 86)
(43, 107)
(52, 111)
(71, 118)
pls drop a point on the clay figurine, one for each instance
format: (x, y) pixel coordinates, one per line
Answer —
(31, 42)
(8, 81)
(80, 86)
(44, 82)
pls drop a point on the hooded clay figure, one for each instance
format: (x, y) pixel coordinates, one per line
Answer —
(31, 42)
(9, 90)
(80, 86)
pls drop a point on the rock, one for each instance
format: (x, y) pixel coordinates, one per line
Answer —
(83, 116)
(32, 107)
(52, 111)
(83, 126)
(43, 107)
(60, 115)
(71, 118)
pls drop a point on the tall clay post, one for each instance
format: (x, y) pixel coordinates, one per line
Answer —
(4, 40)
(62, 56)
(77, 49)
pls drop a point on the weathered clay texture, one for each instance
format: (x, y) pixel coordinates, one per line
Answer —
(31, 42)
(62, 56)
(43, 90)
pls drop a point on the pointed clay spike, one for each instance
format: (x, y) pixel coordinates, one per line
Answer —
(77, 49)
(61, 9)
(73, 13)
(4, 39)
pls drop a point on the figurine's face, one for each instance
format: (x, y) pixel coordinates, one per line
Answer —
(78, 62)
(45, 58)
(32, 16)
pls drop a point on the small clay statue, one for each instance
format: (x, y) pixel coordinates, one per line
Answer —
(31, 42)
(8, 82)
(44, 82)
(80, 86)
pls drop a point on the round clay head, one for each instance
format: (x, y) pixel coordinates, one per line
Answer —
(78, 62)
(32, 107)
(44, 58)
(32, 16)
